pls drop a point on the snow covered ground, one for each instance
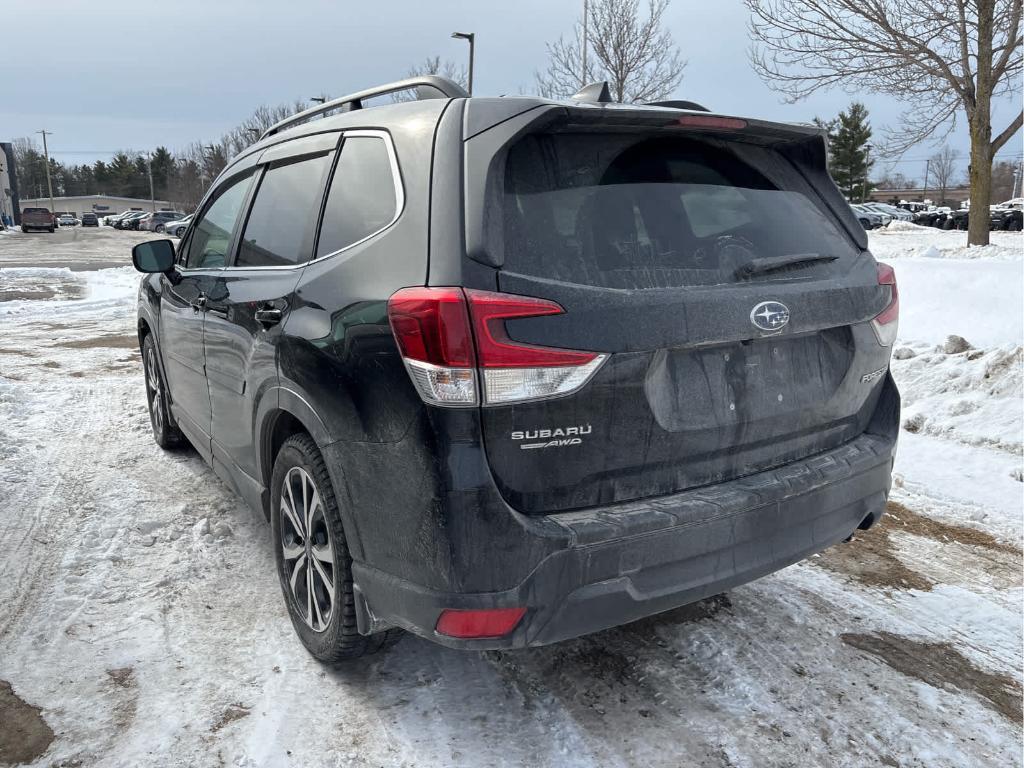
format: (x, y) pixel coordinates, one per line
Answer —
(141, 620)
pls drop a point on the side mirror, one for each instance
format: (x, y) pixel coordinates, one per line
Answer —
(153, 256)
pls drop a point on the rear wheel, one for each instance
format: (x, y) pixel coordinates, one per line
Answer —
(165, 430)
(159, 227)
(313, 561)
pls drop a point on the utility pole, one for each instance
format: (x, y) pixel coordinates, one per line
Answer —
(46, 154)
(867, 170)
(149, 168)
(584, 46)
(1016, 177)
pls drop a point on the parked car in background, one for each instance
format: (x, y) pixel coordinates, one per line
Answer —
(90, 220)
(892, 211)
(118, 221)
(140, 222)
(867, 218)
(157, 222)
(67, 220)
(177, 228)
(957, 219)
(36, 219)
(887, 217)
(516, 441)
(130, 220)
(1008, 216)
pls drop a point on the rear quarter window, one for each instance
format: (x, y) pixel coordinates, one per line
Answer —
(363, 197)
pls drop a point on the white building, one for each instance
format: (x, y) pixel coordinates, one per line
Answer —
(101, 205)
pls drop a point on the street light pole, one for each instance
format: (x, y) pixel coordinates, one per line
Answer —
(46, 154)
(149, 168)
(471, 37)
(583, 48)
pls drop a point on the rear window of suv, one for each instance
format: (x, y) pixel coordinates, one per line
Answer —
(622, 211)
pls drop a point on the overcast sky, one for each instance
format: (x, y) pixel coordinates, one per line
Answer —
(105, 76)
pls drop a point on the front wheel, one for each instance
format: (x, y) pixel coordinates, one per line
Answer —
(159, 227)
(165, 430)
(313, 561)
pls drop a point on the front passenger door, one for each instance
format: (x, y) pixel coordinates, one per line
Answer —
(183, 308)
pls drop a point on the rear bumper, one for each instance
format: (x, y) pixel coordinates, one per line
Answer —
(627, 561)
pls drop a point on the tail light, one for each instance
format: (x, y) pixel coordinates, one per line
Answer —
(454, 342)
(886, 322)
(492, 622)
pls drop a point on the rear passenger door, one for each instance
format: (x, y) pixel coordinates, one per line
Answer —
(251, 299)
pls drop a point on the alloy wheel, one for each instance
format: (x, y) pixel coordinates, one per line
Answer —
(308, 556)
(154, 391)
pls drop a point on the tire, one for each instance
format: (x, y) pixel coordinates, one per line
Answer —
(1013, 226)
(333, 638)
(179, 232)
(159, 228)
(165, 429)
(51, 230)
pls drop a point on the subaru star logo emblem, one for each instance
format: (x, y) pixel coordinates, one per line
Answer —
(770, 316)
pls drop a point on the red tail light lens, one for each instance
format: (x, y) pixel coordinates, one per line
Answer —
(710, 121)
(886, 322)
(450, 336)
(494, 622)
(431, 325)
(495, 349)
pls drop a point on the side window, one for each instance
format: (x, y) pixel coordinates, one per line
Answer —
(281, 224)
(362, 198)
(211, 237)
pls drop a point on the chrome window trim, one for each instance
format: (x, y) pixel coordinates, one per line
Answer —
(399, 202)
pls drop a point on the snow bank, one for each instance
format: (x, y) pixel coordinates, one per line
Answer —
(903, 240)
(973, 397)
(981, 300)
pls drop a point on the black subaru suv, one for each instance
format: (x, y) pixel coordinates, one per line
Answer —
(505, 371)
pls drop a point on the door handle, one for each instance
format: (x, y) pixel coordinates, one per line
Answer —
(268, 316)
(198, 304)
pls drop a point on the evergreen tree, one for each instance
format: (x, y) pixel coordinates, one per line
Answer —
(163, 166)
(850, 161)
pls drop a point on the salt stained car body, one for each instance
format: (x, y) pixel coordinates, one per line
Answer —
(501, 372)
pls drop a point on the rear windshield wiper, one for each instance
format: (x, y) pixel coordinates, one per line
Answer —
(761, 265)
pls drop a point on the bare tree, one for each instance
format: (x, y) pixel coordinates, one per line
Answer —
(895, 181)
(637, 56)
(943, 58)
(943, 168)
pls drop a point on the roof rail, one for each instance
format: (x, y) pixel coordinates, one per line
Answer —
(426, 87)
(693, 106)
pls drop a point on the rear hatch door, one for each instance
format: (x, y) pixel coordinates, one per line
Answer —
(731, 300)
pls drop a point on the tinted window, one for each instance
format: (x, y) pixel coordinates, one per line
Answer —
(362, 200)
(280, 228)
(211, 237)
(621, 212)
